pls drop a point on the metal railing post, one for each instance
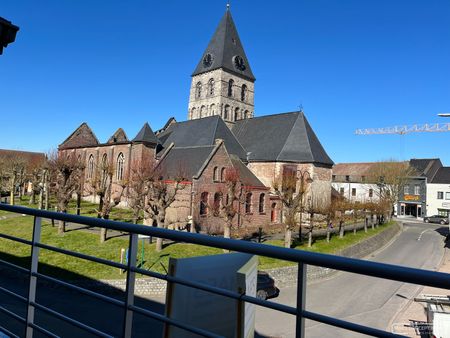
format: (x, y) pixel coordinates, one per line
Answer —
(32, 279)
(129, 291)
(301, 300)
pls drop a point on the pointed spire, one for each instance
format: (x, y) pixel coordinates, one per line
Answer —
(146, 135)
(225, 51)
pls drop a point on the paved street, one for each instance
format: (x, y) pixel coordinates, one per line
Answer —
(360, 299)
(365, 300)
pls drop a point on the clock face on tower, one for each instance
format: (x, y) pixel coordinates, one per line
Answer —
(239, 63)
(208, 60)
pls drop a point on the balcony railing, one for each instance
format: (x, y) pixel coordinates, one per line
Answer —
(302, 258)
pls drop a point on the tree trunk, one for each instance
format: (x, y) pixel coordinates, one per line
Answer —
(310, 238)
(12, 187)
(159, 240)
(366, 221)
(328, 234)
(300, 229)
(78, 203)
(227, 231)
(100, 207)
(46, 206)
(32, 198)
(341, 229)
(104, 232)
(287, 237)
(61, 227)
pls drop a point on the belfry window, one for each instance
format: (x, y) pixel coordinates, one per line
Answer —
(243, 92)
(211, 87)
(230, 88)
(198, 90)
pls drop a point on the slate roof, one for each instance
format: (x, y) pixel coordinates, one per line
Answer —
(286, 137)
(224, 46)
(185, 160)
(201, 132)
(427, 167)
(246, 176)
(442, 176)
(83, 136)
(146, 135)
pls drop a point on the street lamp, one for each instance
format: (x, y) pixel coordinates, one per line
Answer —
(8, 33)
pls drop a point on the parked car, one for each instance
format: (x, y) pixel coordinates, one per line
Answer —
(436, 219)
(266, 286)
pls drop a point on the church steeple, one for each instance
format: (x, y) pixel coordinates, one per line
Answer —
(223, 81)
(225, 51)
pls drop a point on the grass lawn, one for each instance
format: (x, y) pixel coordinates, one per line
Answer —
(87, 242)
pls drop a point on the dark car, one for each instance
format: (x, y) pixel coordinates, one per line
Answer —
(436, 219)
(266, 286)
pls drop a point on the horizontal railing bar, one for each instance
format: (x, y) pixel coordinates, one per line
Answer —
(81, 290)
(12, 314)
(13, 294)
(16, 239)
(349, 325)
(7, 332)
(374, 269)
(167, 320)
(71, 320)
(82, 256)
(44, 331)
(14, 266)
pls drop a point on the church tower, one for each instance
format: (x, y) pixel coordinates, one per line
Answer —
(223, 83)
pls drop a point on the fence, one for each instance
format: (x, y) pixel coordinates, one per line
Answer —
(302, 258)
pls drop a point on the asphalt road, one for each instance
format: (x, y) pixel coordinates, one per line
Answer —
(356, 298)
(365, 300)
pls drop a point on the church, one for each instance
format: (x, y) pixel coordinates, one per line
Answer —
(221, 132)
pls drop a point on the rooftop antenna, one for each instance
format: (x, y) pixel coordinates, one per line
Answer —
(300, 108)
(228, 5)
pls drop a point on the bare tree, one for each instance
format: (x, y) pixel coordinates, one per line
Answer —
(65, 172)
(291, 190)
(230, 200)
(313, 207)
(35, 171)
(13, 174)
(390, 177)
(161, 193)
(140, 175)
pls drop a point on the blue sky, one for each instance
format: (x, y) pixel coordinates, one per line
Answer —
(350, 63)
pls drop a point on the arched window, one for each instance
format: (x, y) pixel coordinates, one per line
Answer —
(211, 87)
(212, 110)
(90, 171)
(230, 88)
(198, 90)
(193, 112)
(120, 167)
(246, 116)
(226, 112)
(217, 203)
(222, 175)
(262, 198)
(248, 203)
(216, 174)
(243, 92)
(202, 111)
(236, 114)
(204, 203)
(273, 212)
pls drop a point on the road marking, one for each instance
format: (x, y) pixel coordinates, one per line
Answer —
(420, 236)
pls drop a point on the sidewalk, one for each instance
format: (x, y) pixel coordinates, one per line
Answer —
(414, 313)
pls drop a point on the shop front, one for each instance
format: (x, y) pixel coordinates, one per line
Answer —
(412, 206)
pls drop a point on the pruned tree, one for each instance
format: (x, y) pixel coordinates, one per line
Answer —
(65, 173)
(13, 170)
(36, 169)
(109, 191)
(161, 193)
(230, 201)
(313, 208)
(291, 190)
(390, 177)
(140, 175)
